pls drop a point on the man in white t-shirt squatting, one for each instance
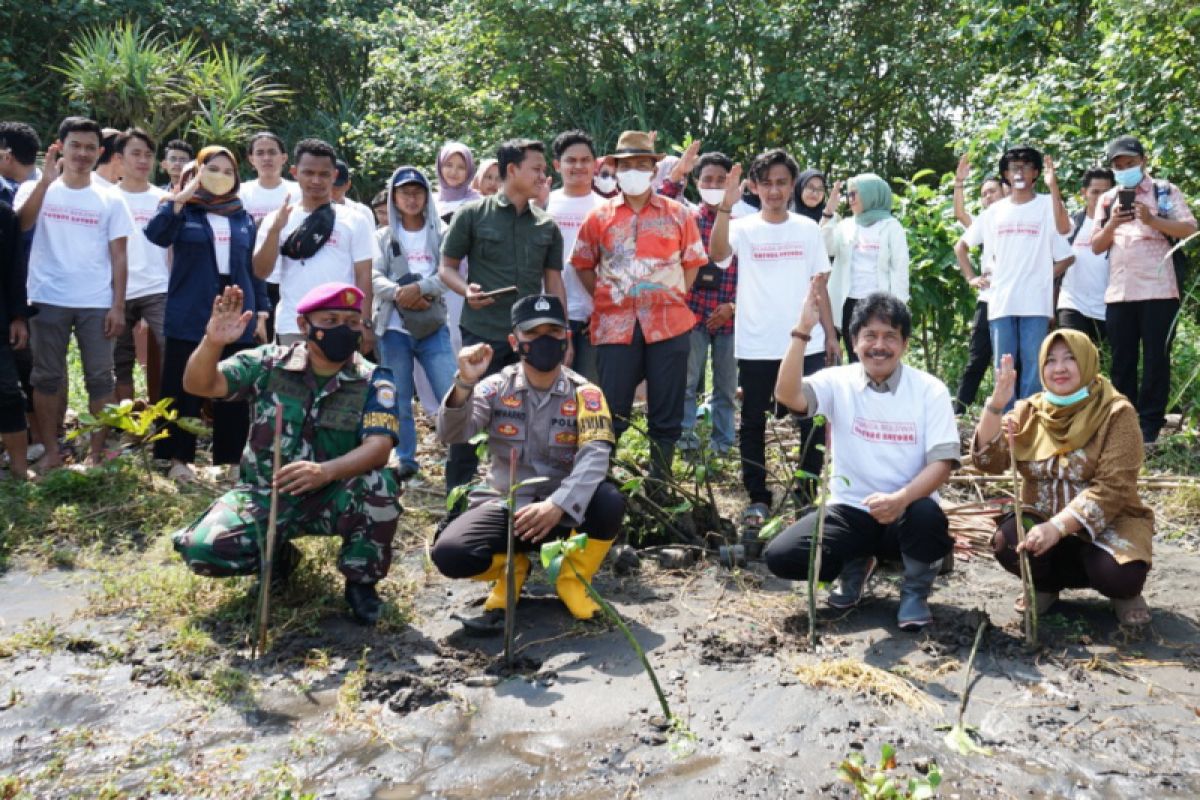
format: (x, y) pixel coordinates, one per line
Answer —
(779, 254)
(77, 270)
(575, 159)
(149, 271)
(894, 443)
(1025, 234)
(346, 256)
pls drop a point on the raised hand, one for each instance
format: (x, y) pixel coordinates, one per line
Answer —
(52, 165)
(687, 162)
(473, 362)
(1049, 175)
(283, 214)
(1006, 381)
(835, 198)
(963, 170)
(733, 186)
(228, 322)
(810, 315)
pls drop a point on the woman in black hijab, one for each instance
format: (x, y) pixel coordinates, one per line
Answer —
(808, 198)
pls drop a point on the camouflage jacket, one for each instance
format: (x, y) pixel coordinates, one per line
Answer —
(564, 434)
(320, 422)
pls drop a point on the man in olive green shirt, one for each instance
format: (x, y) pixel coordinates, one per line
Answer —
(507, 241)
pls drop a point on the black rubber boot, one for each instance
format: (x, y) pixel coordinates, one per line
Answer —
(364, 602)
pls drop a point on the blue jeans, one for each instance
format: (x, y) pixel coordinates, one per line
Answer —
(1020, 337)
(398, 351)
(724, 378)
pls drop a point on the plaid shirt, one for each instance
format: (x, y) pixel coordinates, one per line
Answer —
(703, 302)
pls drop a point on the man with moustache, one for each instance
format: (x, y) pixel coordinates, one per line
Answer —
(894, 443)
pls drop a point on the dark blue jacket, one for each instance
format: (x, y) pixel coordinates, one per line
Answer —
(12, 270)
(195, 282)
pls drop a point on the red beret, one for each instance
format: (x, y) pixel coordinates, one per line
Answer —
(331, 297)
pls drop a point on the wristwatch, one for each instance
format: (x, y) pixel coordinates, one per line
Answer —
(460, 383)
(1058, 526)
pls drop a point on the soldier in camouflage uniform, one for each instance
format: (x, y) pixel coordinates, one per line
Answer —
(339, 427)
(559, 425)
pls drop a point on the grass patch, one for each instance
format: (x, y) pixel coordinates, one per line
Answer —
(112, 508)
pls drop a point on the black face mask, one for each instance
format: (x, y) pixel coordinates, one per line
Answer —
(337, 343)
(544, 353)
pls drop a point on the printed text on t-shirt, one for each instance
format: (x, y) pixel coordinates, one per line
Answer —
(885, 431)
(775, 251)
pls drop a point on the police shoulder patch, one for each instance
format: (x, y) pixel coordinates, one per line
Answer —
(593, 399)
(385, 393)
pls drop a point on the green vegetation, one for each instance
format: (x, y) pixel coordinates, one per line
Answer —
(843, 86)
(71, 515)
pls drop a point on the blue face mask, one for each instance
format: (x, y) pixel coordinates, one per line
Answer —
(1128, 178)
(1067, 399)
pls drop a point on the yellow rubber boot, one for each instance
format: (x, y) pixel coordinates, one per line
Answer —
(587, 561)
(498, 599)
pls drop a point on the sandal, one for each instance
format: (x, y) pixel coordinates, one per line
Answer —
(1043, 600)
(1132, 612)
(181, 473)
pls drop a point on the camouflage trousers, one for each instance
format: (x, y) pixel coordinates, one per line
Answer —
(363, 510)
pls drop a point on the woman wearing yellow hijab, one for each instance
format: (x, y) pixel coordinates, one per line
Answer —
(1079, 450)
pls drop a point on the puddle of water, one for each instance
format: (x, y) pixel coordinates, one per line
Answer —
(25, 596)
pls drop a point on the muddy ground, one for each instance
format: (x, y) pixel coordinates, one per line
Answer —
(90, 711)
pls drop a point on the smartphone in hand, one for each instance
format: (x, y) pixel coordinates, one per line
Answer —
(498, 292)
(1125, 199)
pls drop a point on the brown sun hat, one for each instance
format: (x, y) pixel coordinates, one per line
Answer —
(633, 144)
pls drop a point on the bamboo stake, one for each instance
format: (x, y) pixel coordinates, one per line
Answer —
(1031, 633)
(814, 553)
(510, 585)
(264, 591)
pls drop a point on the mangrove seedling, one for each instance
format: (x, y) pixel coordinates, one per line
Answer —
(1023, 524)
(552, 555)
(881, 782)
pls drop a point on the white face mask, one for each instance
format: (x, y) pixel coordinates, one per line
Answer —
(712, 196)
(218, 184)
(634, 182)
(605, 184)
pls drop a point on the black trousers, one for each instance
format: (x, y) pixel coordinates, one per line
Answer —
(663, 365)
(273, 296)
(922, 533)
(847, 313)
(1073, 564)
(465, 548)
(1074, 320)
(757, 379)
(461, 461)
(1148, 326)
(979, 359)
(12, 399)
(231, 421)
